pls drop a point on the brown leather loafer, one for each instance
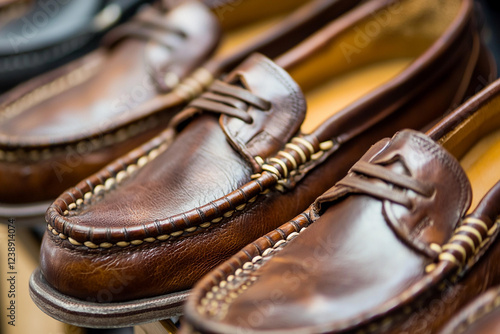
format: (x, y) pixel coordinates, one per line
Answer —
(388, 249)
(244, 157)
(481, 316)
(65, 125)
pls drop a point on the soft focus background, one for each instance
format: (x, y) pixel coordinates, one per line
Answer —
(29, 319)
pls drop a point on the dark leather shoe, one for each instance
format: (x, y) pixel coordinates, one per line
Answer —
(481, 316)
(51, 33)
(245, 157)
(389, 249)
(65, 125)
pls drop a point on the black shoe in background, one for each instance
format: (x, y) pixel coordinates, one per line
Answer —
(50, 33)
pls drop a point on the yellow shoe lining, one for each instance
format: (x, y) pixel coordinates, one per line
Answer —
(234, 39)
(341, 91)
(244, 20)
(482, 165)
(367, 55)
(476, 143)
(239, 13)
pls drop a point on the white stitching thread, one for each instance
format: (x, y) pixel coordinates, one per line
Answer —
(111, 183)
(216, 301)
(216, 305)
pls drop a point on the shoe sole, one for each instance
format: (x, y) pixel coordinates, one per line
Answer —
(103, 315)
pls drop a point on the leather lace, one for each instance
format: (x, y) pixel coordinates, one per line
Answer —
(230, 100)
(360, 180)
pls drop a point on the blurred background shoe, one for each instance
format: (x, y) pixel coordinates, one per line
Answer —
(46, 34)
(62, 126)
(247, 155)
(490, 11)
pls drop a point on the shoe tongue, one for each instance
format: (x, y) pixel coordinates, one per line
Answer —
(271, 129)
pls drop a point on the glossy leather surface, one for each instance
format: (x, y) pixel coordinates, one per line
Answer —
(336, 277)
(354, 257)
(64, 125)
(167, 247)
(201, 149)
(83, 115)
(122, 81)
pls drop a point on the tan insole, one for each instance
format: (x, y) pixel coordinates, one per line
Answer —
(334, 95)
(238, 37)
(482, 165)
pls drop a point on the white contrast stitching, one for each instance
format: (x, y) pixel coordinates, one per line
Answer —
(111, 182)
(216, 303)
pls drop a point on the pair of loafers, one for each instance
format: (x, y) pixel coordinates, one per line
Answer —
(399, 245)
(125, 245)
(67, 124)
